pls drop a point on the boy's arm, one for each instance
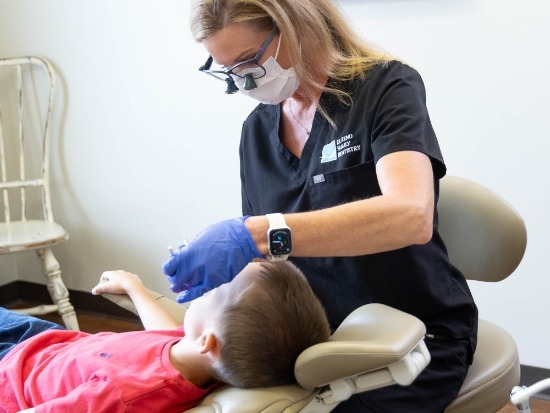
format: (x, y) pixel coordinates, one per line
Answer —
(152, 315)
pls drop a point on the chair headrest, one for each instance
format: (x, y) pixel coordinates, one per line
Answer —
(371, 337)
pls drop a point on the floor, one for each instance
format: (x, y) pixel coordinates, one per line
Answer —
(89, 322)
(537, 406)
(94, 323)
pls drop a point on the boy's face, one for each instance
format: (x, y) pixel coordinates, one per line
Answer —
(204, 312)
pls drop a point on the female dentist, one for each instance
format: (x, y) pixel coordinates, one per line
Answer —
(340, 171)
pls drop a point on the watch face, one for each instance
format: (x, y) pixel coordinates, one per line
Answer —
(280, 242)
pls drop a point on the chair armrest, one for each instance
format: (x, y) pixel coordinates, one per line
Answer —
(372, 337)
(228, 399)
(176, 310)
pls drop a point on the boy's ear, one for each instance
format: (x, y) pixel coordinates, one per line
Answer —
(206, 342)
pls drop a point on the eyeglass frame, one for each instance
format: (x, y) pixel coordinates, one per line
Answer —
(205, 68)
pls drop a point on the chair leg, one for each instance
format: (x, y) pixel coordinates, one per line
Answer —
(57, 289)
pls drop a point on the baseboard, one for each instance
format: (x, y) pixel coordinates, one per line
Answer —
(531, 375)
(81, 301)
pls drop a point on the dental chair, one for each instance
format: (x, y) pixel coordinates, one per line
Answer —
(376, 345)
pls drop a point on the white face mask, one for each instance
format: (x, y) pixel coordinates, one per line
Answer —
(277, 85)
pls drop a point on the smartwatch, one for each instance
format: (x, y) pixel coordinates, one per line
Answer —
(279, 238)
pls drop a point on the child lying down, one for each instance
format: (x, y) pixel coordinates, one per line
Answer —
(247, 333)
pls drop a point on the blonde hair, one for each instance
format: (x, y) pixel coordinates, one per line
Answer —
(270, 324)
(320, 42)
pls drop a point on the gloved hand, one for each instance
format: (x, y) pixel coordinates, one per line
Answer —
(215, 257)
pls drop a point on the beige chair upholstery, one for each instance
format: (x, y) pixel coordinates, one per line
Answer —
(377, 345)
(486, 239)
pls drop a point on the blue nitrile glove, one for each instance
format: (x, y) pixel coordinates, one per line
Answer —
(215, 257)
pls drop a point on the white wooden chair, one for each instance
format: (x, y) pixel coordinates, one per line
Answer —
(27, 96)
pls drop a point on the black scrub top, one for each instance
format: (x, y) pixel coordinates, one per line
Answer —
(337, 165)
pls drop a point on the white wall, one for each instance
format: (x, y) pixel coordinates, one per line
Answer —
(149, 146)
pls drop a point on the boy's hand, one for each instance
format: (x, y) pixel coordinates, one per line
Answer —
(152, 315)
(117, 282)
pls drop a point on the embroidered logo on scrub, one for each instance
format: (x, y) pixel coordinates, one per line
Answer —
(338, 148)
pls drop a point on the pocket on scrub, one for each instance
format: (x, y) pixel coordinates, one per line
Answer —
(345, 185)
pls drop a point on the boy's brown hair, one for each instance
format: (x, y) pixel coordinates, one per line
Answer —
(270, 324)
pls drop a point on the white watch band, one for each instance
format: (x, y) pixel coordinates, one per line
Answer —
(276, 221)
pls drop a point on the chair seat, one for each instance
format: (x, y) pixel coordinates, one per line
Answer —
(27, 235)
(494, 372)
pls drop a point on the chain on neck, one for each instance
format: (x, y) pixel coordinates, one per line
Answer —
(306, 130)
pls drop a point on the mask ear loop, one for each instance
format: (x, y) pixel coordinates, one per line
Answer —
(278, 46)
